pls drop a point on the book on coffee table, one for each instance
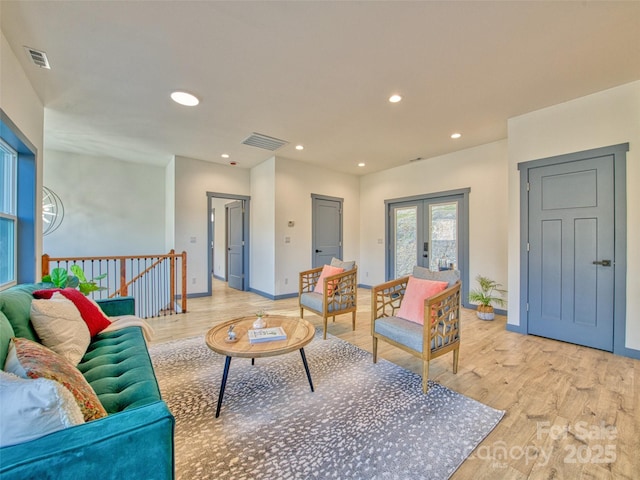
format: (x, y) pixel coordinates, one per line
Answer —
(266, 334)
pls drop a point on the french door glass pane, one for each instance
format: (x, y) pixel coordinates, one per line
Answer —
(406, 240)
(443, 221)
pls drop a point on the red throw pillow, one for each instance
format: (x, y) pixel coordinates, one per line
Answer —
(46, 294)
(327, 271)
(418, 290)
(95, 319)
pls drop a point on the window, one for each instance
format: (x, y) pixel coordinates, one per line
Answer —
(8, 214)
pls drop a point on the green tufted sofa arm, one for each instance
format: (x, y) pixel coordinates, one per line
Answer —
(113, 307)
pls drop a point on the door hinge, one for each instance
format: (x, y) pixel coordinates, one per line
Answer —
(528, 186)
(527, 307)
(339, 244)
(528, 246)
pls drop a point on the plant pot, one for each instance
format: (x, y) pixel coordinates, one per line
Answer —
(485, 312)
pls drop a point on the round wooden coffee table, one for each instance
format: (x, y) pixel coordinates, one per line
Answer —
(299, 333)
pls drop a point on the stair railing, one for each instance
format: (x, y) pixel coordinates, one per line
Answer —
(157, 282)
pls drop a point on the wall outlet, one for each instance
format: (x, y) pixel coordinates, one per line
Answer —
(286, 281)
(193, 281)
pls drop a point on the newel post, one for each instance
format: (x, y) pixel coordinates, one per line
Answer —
(172, 279)
(184, 281)
(45, 264)
(124, 291)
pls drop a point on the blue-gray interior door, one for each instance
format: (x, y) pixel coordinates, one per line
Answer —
(326, 230)
(571, 252)
(235, 244)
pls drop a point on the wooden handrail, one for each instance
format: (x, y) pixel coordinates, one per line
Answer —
(123, 285)
(123, 273)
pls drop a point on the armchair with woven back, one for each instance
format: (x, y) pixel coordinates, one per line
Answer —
(419, 314)
(330, 290)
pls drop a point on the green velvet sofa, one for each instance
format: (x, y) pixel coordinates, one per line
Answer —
(135, 440)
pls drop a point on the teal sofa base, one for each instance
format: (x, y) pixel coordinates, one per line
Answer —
(135, 439)
(130, 444)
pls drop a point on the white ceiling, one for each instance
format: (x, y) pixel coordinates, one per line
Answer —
(315, 73)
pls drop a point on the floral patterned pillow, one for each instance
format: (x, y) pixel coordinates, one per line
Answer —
(29, 359)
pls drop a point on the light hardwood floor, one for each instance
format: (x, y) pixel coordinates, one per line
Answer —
(571, 412)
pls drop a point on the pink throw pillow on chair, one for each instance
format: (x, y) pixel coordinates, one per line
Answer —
(418, 290)
(327, 271)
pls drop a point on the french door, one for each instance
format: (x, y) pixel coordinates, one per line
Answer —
(425, 233)
(431, 231)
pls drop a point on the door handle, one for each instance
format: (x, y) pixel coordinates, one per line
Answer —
(604, 263)
(318, 251)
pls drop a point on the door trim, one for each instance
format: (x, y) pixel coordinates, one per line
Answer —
(620, 242)
(463, 241)
(247, 243)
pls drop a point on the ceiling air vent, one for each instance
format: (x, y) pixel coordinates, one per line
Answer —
(38, 57)
(263, 141)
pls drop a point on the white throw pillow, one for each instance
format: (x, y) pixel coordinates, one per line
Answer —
(34, 408)
(60, 327)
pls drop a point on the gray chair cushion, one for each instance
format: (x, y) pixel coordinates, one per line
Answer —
(450, 276)
(336, 262)
(313, 301)
(406, 333)
(400, 330)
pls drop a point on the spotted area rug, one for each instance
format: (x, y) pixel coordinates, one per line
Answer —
(364, 420)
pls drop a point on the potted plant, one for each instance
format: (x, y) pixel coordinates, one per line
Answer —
(76, 279)
(488, 293)
(260, 322)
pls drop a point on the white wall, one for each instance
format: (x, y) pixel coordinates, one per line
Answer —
(483, 169)
(262, 234)
(605, 118)
(170, 205)
(21, 104)
(193, 179)
(294, 184)
(111, 207)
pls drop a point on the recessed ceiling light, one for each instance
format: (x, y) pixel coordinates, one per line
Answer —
(299, 147)
(361, 164)
(456, 135)
(184, 98)
(395, 98)
(225, 155)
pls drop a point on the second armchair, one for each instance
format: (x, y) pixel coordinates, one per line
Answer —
(329, 291)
